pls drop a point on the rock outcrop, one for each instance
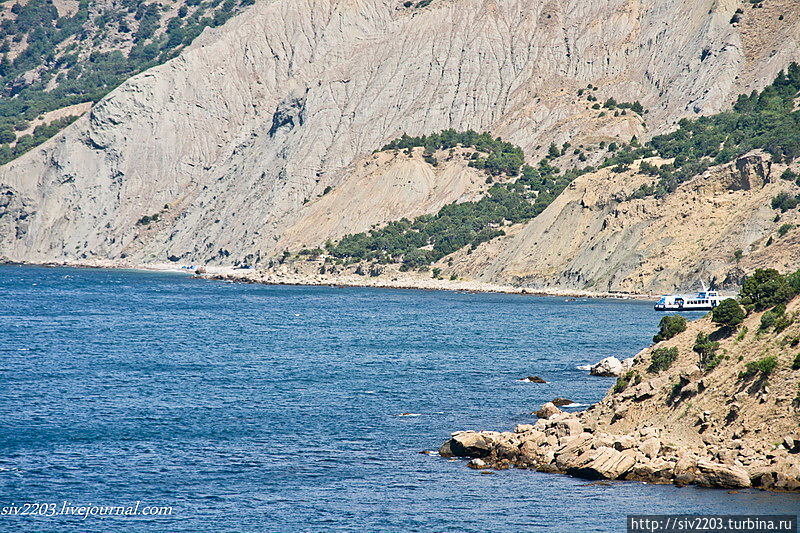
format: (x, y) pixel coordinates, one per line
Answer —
(716, 428)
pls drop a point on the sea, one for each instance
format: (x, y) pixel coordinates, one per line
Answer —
(145, 401)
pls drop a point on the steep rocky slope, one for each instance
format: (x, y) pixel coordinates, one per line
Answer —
(58, 57)
(594, 237)
(228, 141)
(387, 186)
(724, 427)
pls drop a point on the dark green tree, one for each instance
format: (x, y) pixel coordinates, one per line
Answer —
(669, 326)
(728, 313)
(765, 288)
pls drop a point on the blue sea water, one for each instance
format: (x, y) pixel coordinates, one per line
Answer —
(277, 408)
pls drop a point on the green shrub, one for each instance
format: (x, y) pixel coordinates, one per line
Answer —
(147, 219)
(707, 349)
(784, 229)
(662, 358)
(669, 326)
(782, 322)
(784, 201)
(742, 334)
(631, 377)
(765, 288)
(796, 362)
(763, 366)
(768, 320)
(728, 313)
(436, 273)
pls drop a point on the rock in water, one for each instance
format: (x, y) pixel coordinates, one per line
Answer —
(561, 402)
(535, 379)
(608, 367)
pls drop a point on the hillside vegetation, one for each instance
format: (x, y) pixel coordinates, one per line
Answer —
(764, 120)
(51, 59)
(419, 242)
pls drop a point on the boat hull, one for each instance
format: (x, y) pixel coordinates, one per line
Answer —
(682, 308)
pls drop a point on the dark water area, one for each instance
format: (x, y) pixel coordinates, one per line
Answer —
(277, 408)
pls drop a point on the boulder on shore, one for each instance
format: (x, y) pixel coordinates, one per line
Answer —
(712, 474)
(466, 444)
(547, 410)
(603, 463)
(611, 367)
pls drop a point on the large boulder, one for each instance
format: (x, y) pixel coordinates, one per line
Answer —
(611, 367)
(567, 455)
(623, 442)
(466, 444)
(568, 427)
(780, 476)
(548, 410)
(603, 463)
(713, 474)
(655, 471)
(650, 447)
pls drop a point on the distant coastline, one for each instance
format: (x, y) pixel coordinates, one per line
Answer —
(407, 281)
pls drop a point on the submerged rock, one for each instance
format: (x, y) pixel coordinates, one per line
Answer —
(477, 464)
(534, 379)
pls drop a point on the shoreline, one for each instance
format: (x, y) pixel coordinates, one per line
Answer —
(407, 282)
(680, 422)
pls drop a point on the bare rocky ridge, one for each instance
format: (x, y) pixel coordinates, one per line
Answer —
(228, 142)
(681, 425)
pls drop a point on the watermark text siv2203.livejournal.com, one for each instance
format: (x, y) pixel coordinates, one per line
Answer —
(84, 511)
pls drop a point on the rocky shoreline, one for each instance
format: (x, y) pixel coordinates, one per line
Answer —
(568, 443)
(407, 281)
(726, 425)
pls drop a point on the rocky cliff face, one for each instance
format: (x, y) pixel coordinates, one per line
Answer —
(595, 237)
(723, 427)
(227, 142)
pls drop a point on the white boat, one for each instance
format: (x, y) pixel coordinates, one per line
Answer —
(705, 300)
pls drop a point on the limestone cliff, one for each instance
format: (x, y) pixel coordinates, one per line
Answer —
(211, 157)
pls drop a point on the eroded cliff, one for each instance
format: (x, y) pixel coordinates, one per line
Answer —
(211, 157)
